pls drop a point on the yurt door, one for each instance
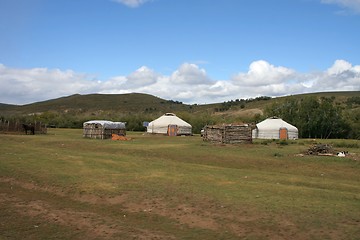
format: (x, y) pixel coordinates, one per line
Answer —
(172, 130)
(283, 133)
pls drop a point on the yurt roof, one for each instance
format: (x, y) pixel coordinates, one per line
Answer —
(169, 119)
(106, 124)
(275, 123)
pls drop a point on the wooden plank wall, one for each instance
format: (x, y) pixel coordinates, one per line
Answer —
(228, 134)
(101, 133)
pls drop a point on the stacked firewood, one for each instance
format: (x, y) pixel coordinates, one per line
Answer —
(321, 149)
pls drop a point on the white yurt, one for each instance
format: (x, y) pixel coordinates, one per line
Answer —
(275, 128)
(169, 124)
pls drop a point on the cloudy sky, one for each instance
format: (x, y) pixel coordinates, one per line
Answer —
(194, 51)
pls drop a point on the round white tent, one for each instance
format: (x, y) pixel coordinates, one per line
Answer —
(275, 128)
(169, 124)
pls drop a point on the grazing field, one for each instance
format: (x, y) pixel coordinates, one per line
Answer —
(63, 186)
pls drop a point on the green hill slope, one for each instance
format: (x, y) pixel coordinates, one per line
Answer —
(144, 103)
(129, 103)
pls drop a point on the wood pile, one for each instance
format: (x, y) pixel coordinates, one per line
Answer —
(321, 149)
(230, 133)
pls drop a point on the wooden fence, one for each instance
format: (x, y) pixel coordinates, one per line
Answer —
(17, 127)
(231, 133)
(102, 133)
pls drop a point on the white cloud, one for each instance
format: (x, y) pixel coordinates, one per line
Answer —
(189, 83)
(349, 4)
(340, 76)
(28, 85)
(141, 77)
(132, 3)
(190, 74)
(339, 67)
(261, 73)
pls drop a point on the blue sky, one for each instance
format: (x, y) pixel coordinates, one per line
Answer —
(195, 51)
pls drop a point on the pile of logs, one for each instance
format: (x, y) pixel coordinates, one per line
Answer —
(321, 149)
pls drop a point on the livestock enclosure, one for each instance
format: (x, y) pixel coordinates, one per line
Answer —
(102, 129)
(63, 186)
(16, 127)
(228, 133)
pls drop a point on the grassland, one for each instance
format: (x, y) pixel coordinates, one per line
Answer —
(62, 186)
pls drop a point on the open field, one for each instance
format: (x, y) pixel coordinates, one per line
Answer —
(62, 186)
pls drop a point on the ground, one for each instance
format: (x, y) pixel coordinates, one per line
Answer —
(173, 188)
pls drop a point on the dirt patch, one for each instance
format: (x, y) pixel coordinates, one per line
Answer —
(81, 197)
(183, 213)
(90, 223)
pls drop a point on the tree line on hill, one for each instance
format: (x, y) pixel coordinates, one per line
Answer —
(320, 117)
(239, 102)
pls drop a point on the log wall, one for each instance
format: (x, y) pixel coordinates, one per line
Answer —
(102, 133)
(230, 134)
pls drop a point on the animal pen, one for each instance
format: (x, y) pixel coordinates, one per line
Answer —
(101, 129)
(228, 133)
(16, 127)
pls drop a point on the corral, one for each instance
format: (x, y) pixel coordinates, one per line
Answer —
(17, 127)
(228, 133)
(102, 129)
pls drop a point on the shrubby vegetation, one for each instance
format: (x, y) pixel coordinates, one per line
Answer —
(239, 102)
(353, 101)
(317, 117)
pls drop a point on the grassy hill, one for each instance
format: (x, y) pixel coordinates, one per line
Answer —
(134, 102)
(138, 102)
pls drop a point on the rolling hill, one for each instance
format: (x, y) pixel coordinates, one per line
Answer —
(135, 103)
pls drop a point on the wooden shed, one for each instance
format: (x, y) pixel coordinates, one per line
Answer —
(228, 133)
(102, 129)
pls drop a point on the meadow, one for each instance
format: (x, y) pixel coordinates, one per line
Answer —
(63, 186)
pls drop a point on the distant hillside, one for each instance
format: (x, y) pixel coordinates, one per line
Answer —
(129, 103)
(135, 103)
(249, 108)
(4, 106)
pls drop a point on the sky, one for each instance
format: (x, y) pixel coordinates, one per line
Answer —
(193, 51)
